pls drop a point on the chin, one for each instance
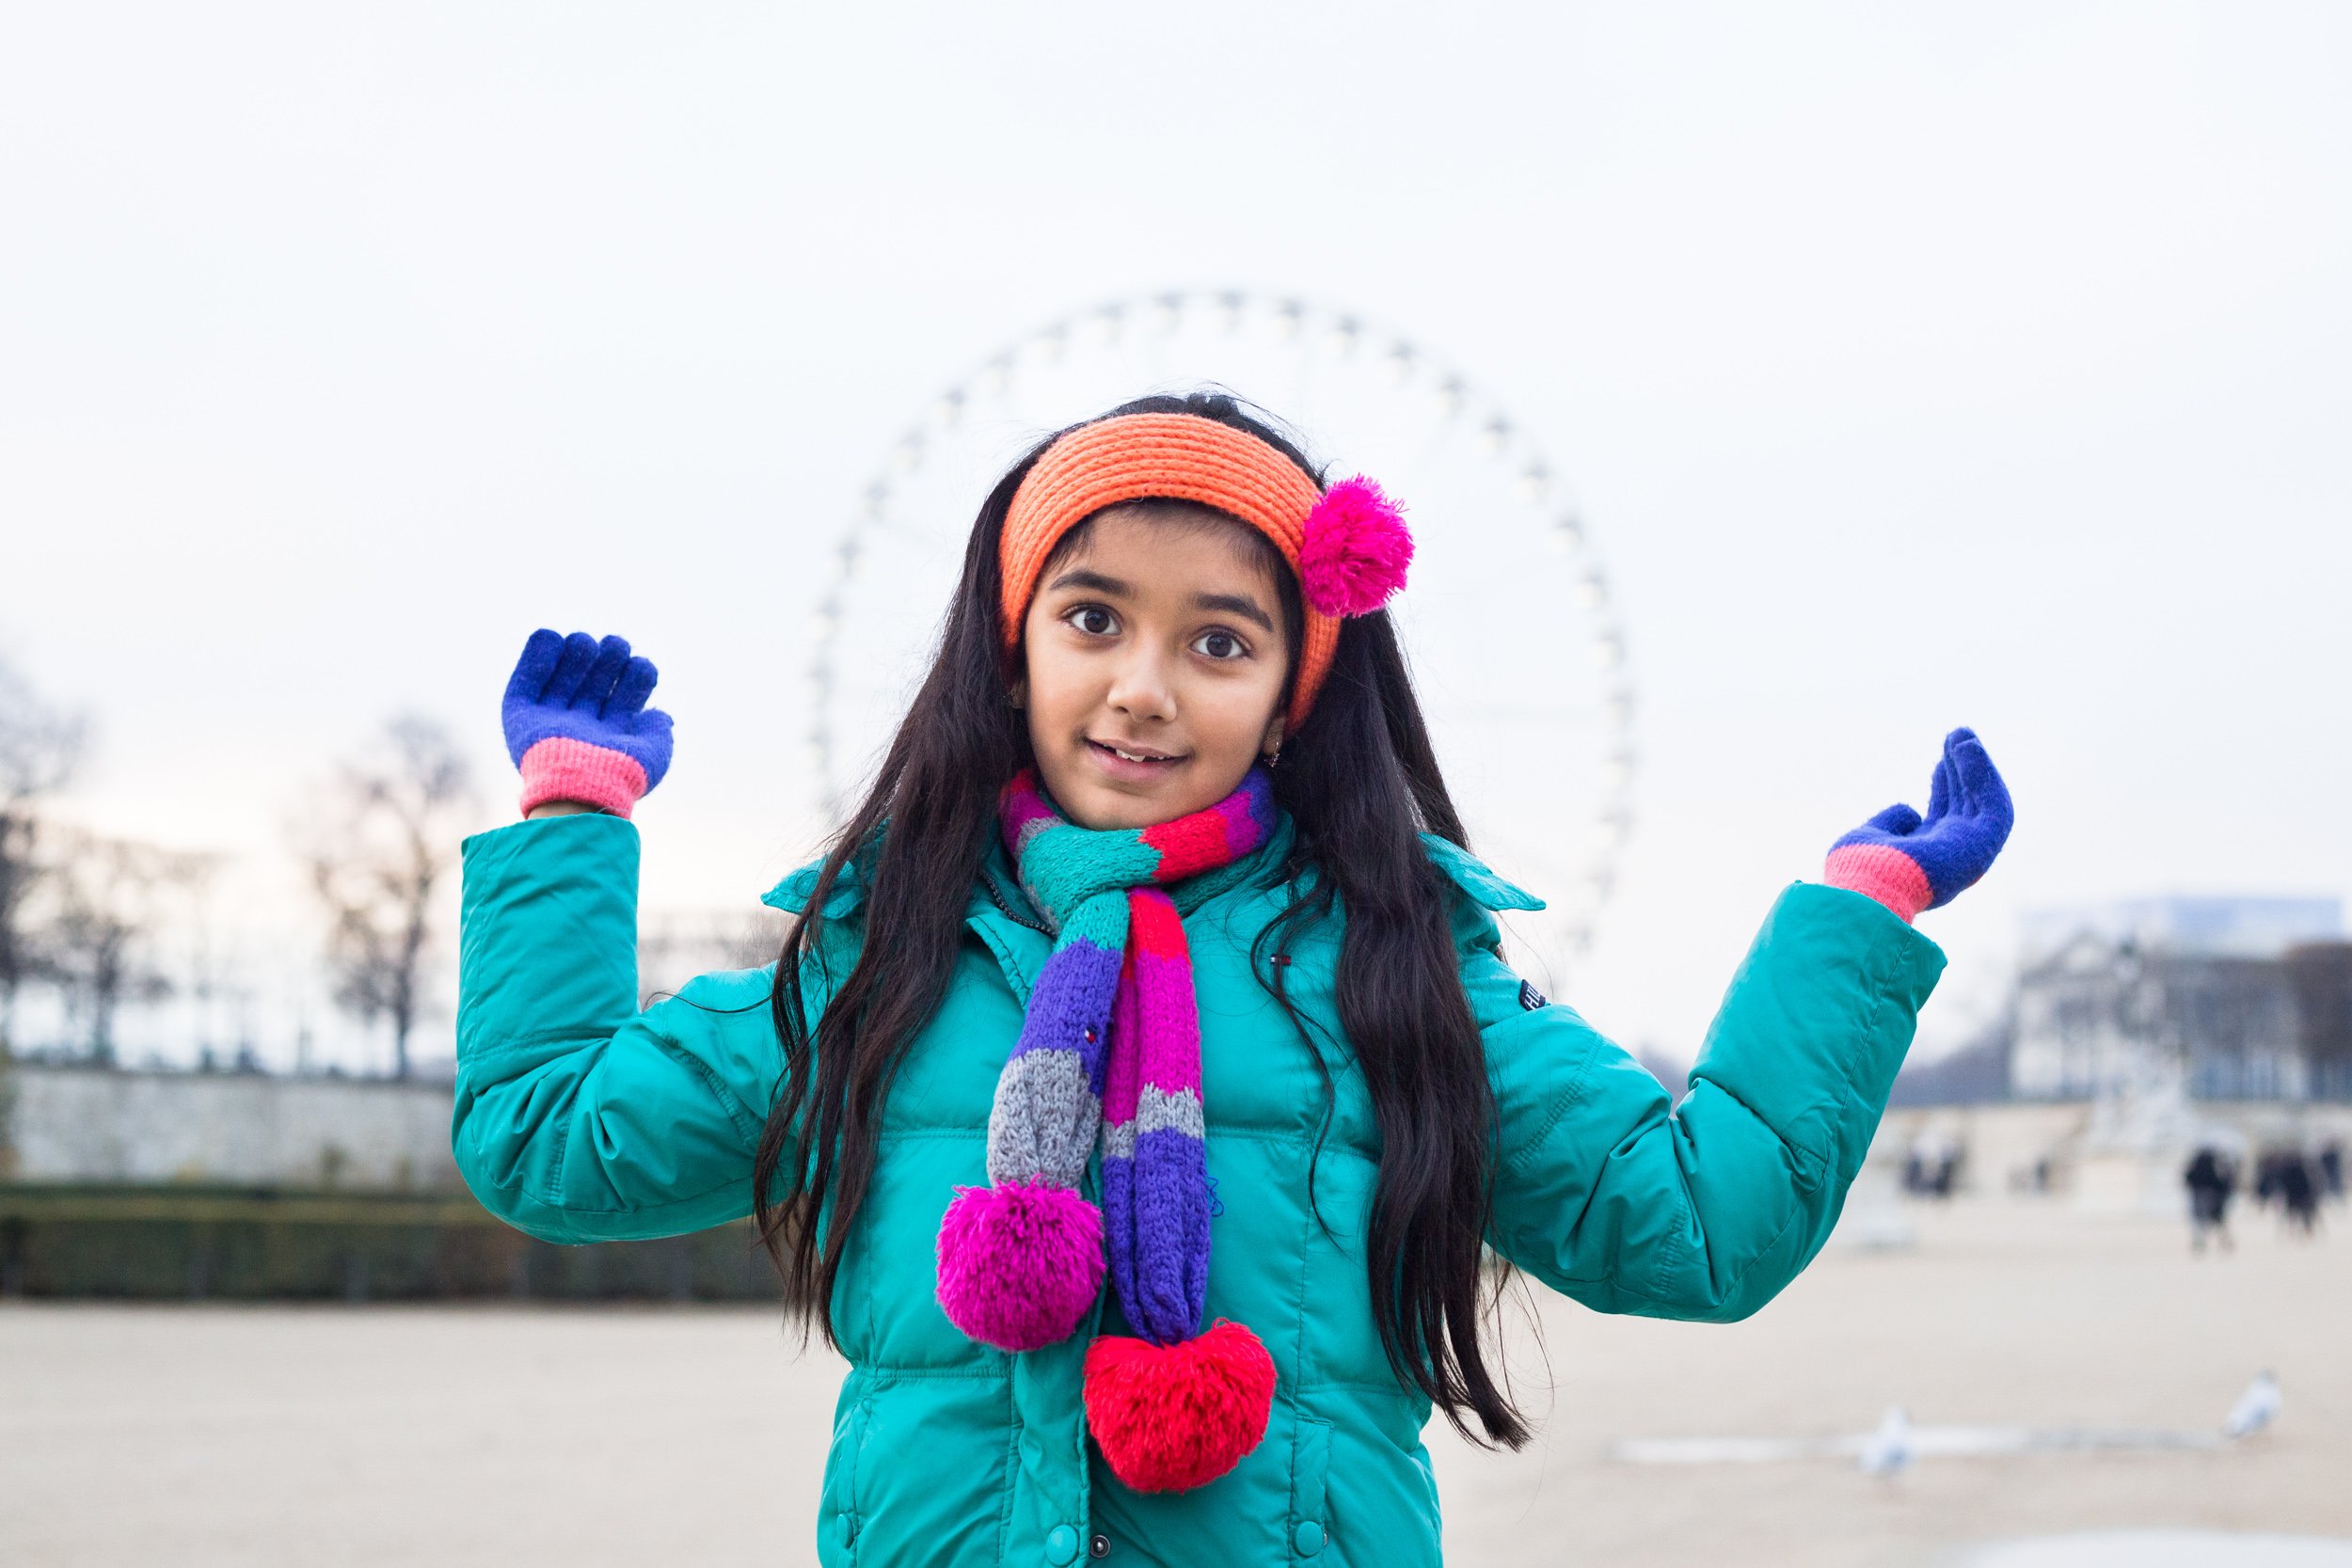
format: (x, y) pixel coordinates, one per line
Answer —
(1092, 802)
(1091, 798)
(1097, 807)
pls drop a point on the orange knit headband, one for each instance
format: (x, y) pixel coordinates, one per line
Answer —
(1348, 545)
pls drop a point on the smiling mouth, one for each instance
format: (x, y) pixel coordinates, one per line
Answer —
(1132, 759)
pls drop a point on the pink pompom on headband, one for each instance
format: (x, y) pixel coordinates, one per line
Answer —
(1356, 549)
(1348, 544)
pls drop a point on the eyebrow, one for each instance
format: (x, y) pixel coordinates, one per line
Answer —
(1080, 578)
(1237, 604)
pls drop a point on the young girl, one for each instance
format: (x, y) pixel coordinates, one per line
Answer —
(1136, 1099)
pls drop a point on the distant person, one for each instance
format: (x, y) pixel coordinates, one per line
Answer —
(2331, 1168)
(1947, 1178)
(2298, 1192)
(1138, 1090)
(1931, 1168)
(2212, 1181)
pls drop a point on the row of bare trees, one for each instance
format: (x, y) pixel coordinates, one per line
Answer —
(81, 914)
(380, 845)
(66, 896)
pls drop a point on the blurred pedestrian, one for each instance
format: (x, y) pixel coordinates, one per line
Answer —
(2212, 1179)
(1932, 1167)
(2298, 1192)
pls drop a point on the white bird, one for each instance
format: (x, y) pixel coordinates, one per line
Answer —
(2255, 1409)
(1887, 1450)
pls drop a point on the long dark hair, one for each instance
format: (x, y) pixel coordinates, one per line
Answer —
(1359, 782)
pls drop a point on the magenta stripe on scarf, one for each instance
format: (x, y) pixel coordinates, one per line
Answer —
(1022, 808)
(1242, 830)
(1123, 1082)
(1172, 1024)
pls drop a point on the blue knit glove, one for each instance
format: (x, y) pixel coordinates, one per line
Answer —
(1911, 863)
(578, 726)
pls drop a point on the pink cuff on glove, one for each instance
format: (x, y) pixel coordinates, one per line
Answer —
(1876, 871)
(561, 769)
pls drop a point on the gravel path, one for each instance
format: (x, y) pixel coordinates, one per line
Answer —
(382, 1436)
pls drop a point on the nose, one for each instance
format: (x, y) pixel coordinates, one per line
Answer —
(1142, 688)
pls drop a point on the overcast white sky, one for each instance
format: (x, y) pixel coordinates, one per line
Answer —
(1915, 366)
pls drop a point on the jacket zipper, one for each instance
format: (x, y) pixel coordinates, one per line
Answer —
(999, 899)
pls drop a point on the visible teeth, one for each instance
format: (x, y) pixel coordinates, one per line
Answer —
(1130, 757)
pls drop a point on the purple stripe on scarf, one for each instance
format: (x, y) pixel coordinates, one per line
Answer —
(1163, 1194)
(1118, 1228)
(1067, 999)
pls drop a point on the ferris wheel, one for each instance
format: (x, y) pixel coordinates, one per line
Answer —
(1516, 645)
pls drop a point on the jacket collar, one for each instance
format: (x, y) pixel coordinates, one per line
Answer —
(996, 890)
(998, 912)
(1475, 878)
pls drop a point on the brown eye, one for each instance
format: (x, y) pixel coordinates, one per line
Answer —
(1093, 619)
(1221, 644)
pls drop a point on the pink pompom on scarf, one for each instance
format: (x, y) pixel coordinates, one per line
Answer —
(1020, 1265)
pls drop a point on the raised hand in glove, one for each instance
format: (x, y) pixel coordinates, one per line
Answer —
(578, 726)
(1911, 863)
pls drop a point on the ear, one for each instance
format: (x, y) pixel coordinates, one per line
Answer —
(1019, 693)
(1272, 741)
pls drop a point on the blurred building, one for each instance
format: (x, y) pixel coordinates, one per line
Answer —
(79, 1123)
(2215, 926)
(2229, 998)
(2320, 973)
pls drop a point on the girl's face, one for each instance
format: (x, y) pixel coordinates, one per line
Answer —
(1156, 661)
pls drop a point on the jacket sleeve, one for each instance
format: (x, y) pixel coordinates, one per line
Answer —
(579, 1119)
(1608, 1192)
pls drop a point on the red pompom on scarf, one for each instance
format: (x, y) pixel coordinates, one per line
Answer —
(1168, 1417)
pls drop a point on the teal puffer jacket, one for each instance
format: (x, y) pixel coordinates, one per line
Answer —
(581, 1119)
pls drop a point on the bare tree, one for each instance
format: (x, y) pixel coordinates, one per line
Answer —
(98, 949)
(39, 746)
(383, 839)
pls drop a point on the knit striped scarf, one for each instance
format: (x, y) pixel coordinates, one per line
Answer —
(1109, 1057)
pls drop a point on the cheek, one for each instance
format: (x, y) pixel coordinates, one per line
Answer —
(1234, 717)
(1057, 688)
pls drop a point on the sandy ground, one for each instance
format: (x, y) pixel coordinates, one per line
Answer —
(381, 1436)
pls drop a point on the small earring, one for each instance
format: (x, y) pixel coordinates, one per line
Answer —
(1275, 756)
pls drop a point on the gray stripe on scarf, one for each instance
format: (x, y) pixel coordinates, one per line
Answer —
(1044, 1122)
(1156, 1111)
